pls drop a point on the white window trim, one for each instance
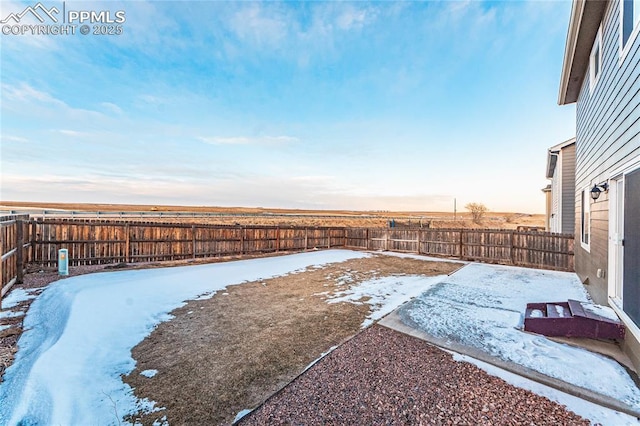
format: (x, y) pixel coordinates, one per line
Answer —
(597, 45)
(616, 174)
(624, 49)
(586, 195)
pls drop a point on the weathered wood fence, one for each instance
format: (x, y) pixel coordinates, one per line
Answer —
(14, 249)
(27, 240)
(529, 249)
(98, 242)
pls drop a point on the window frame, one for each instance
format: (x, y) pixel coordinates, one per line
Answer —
(593, 61)
(625, 45)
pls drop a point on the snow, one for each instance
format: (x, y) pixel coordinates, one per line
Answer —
(11, 314)
(537, 313)
(149, 373)
(560, 310)
(17, 296)
(384, 294)
(482, 307)
(594, 412)
(4, 327)
(241, 414)
(603, 311)
(80, 332)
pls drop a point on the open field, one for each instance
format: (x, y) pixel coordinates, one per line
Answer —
(267, 216)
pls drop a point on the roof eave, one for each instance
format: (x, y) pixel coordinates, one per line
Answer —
(586, 16)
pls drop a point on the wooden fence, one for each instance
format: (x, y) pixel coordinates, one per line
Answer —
(25, 240)
(98, 242)
(529, 249)
(14, 249)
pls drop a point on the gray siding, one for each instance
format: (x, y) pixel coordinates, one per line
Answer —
(568, 190)
(608, 135)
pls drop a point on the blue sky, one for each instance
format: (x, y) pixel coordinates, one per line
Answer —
(329, 105)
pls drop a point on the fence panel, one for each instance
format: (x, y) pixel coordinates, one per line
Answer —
(15, 250)
(100, 242)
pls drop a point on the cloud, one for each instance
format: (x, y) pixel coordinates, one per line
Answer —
(243, 140)
(11, 138)
(72, 133)
(108, 106)
(263, 26)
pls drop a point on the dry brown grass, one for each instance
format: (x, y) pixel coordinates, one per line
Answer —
(231, 352)
(264, 216)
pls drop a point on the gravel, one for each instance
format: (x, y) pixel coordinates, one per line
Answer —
(385, 377)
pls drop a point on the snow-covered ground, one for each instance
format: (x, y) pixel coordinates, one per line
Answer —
(80, 332)
(482, 306)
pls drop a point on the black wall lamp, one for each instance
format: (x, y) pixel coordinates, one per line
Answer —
(595, 191)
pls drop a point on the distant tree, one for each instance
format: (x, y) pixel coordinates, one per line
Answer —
(477, 211)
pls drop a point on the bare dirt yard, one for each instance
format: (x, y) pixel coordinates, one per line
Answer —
(231, 352)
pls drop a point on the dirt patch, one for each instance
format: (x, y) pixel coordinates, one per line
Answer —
(231, 352)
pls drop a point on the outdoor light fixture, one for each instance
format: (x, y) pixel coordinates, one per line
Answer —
(595, 191)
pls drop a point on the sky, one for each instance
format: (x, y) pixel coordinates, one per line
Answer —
(314, 105)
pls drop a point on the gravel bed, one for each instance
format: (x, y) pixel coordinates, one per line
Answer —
(385, 377)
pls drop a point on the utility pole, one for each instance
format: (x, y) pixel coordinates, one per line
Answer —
(454, 209)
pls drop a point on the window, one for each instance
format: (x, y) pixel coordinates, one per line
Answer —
(630, 17)
(595, 60)
(585, 218)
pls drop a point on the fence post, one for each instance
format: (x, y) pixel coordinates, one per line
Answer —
(513, 250)
(127, 244)
(329, 238)
(366, 239)
(461, 248)
(193, 241)
(418, 240)
(306, 238)
(19, 254)
(33, 239)
(241, 240)
(277, 238)
(386, 240)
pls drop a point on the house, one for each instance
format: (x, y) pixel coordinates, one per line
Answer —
(561, 196)
(601, 75)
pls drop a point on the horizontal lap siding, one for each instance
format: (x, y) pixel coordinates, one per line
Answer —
(568, 189)
(608, 136)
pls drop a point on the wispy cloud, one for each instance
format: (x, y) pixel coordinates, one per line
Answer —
(111, 107)
(243, 140)
(72, 133)
(11, 138)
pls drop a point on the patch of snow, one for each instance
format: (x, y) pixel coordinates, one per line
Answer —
(537, 313)
(603, 311)
(11, 314)
(241, 414)
(588, 410)
(385, 294)
(421, 257)
(19, 295)
(161, 421)
(481, 306)
(4, 327)
(560, 310)
(80, 332)
(149, 373)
